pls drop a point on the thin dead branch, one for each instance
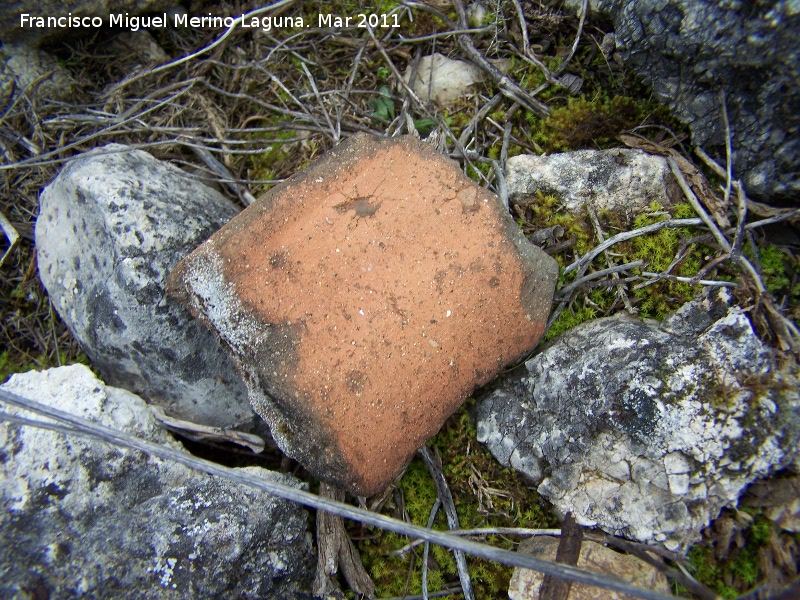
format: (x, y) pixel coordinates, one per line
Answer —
(11, 235)
(427, 547)
(728, 150)
(336, 551)
(656, 277)
(601, 236)
(199, 432)
(190, 57)
(226, 176)
(627, 235)
(509, 88)
(568, 553)
(690, 196)
(786, 332)
(566, 291)
(434, 464)
(563, 66)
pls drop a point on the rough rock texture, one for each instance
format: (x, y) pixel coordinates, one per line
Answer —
(618, 180)
(110, 227)
(136, 49)
(779, 499)
(82, 518)
(33, 72)
(690, 49)
(364, 299)
(10, 11)
(575, 6)
(444, 80)
(647, 431)
(525, 584)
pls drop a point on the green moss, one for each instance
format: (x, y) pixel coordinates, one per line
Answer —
(546, 210)
(741, 570)
(263, 165)
(658, 250)
(595, 123)
(10, 364)
(569, 318)
(475, 172)
(707, 570)
(475, 478)
(531, 77)
(776, 266)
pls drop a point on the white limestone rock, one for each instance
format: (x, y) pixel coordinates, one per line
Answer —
(646, 431)
(111, 226)
(84, 518)
(617, 180)
(443, 80)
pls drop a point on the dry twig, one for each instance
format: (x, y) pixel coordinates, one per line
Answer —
(335, 550)
(568, 553)
(11, 234)
(434, 464)
(509, 88)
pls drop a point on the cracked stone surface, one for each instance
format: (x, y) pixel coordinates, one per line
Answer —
(689, 49)
(617, 180)
(364, 299)
(647, 431)
(83, 518)
(111, 225)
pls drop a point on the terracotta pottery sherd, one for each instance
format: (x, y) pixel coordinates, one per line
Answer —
(364, 299)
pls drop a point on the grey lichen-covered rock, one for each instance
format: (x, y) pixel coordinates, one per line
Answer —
(618, 180)
(689, 50)
(82, 518)
(110, 228)
(647, 431)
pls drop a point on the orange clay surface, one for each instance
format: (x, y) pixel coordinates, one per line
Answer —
(403, 290)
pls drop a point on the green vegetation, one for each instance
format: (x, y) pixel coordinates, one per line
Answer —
(595, 123)
(9, 366)
(708, 571)
(742, 567)
(485, 495)
(780, 271)
(383, 105)
(658, 250)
